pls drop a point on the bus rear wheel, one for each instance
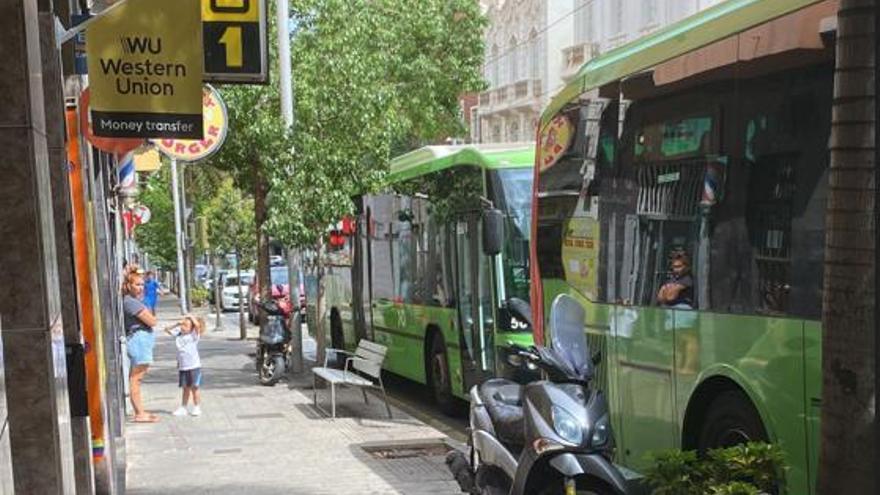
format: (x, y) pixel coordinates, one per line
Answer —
(440, 382)
(731, 420)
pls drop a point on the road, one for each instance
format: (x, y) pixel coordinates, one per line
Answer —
(409, 396)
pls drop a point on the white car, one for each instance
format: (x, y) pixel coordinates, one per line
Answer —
(229, 297)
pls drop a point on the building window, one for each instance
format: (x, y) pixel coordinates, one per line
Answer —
(616, 18)
(496, 67)
(649, 12)
(511, 61)
(583, 21)
(534, 68)
(475, 124)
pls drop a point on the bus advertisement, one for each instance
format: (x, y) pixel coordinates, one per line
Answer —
(412, 272)
(680, 192)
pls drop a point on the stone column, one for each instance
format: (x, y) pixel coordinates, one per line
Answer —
(53, 96)
(30, 304)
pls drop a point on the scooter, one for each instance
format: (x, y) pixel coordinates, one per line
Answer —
(551, 436)
(274, 347)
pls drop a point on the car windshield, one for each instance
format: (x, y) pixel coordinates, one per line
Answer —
(279, 275)
(233, 280)
(513, 194)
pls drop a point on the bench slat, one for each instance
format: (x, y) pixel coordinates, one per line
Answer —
(370, 356)
(338, 376)
(368, 367)
(372, 347)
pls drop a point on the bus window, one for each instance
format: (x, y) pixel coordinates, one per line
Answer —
(575, 149)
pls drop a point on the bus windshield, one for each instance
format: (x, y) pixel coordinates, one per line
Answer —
(512, 190)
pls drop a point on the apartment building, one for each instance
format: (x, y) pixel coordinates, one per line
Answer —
(534, 46)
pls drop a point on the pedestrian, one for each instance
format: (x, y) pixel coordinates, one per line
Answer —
(139, 323)
(151, 291)
(187, 334)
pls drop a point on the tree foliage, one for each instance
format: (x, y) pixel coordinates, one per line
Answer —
(157, 237)
(372, 78)
(230, 216)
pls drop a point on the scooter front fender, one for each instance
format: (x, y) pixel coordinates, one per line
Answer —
(492, 452)
(573, 465)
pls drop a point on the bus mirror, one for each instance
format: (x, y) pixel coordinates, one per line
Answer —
(493, 231)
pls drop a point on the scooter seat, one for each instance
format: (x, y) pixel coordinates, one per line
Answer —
(503, 400)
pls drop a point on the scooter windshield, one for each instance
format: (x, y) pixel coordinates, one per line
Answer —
(568, 337)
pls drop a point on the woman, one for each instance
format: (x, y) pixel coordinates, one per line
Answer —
(139, 323)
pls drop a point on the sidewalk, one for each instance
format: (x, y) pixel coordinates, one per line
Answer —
(267, 440)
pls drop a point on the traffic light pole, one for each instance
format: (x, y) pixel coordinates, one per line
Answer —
(178, 229)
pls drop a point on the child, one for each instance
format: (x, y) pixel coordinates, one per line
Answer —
(187, 334)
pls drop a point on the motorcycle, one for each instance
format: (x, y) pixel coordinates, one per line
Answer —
(549, 436)
(274, 347)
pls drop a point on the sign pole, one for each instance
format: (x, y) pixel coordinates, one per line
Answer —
(178, 229)
(286, 83)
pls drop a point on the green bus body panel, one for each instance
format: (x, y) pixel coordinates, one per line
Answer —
(435, 158)
(701, 29)
(657, 358)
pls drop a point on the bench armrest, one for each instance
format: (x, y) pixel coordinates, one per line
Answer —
(331, 350)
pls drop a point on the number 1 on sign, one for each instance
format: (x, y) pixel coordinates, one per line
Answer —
(231, 39)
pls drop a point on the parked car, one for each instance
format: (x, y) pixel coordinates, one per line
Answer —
(280, 289)
(229, 296)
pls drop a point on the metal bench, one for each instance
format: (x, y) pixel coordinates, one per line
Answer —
(363, 368)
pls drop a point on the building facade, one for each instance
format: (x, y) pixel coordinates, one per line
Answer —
(534, 46)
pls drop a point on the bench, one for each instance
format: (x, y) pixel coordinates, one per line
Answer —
(363, 368)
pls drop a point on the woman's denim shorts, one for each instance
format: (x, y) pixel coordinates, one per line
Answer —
(140, 347)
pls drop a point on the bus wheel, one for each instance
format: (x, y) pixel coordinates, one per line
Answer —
(440, 383)
(731, 420)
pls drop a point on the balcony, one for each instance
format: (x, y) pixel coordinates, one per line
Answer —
(510, 96)
(576, 56)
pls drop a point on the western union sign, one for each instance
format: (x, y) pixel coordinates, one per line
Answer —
(145, 70)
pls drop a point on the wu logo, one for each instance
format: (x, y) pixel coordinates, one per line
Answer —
(138, 44)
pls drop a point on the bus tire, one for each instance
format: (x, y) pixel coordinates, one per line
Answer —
(731, 420)
(441, 385)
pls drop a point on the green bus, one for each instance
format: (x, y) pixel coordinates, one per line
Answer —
(411, 272)
(680, 192)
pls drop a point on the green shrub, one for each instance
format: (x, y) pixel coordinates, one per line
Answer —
(198, 296)
(749, 469)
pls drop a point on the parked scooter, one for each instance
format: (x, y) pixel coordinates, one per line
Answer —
(551, 436)
(274, 347)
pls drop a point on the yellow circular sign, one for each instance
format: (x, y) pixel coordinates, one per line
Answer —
(216, 124)
(555, 140)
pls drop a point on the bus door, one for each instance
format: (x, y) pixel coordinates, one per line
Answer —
(474, 302)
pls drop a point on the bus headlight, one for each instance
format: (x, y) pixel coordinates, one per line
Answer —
(601, 432)
(567, 426)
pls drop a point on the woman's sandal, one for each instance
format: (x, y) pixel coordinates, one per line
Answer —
(146, 418)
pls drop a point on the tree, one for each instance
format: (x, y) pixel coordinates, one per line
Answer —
(373, 78)
(231, 229)
(157, 237)
(847, 456)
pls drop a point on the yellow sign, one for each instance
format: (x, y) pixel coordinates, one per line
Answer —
(555, 140)
(145, 70)
(580, 255)
(216, 124)
(235, 40)
(147, 161)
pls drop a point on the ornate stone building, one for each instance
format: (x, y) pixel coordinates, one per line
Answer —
(534, 46)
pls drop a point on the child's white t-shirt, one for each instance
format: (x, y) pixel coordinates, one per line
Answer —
(187, 350)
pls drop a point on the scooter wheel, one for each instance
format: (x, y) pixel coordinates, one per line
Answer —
(270, 373)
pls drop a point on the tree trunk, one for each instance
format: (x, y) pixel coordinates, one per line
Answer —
(242, 326)
(261, 189)
(847, 455)
(320, 339)
(296, 358)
